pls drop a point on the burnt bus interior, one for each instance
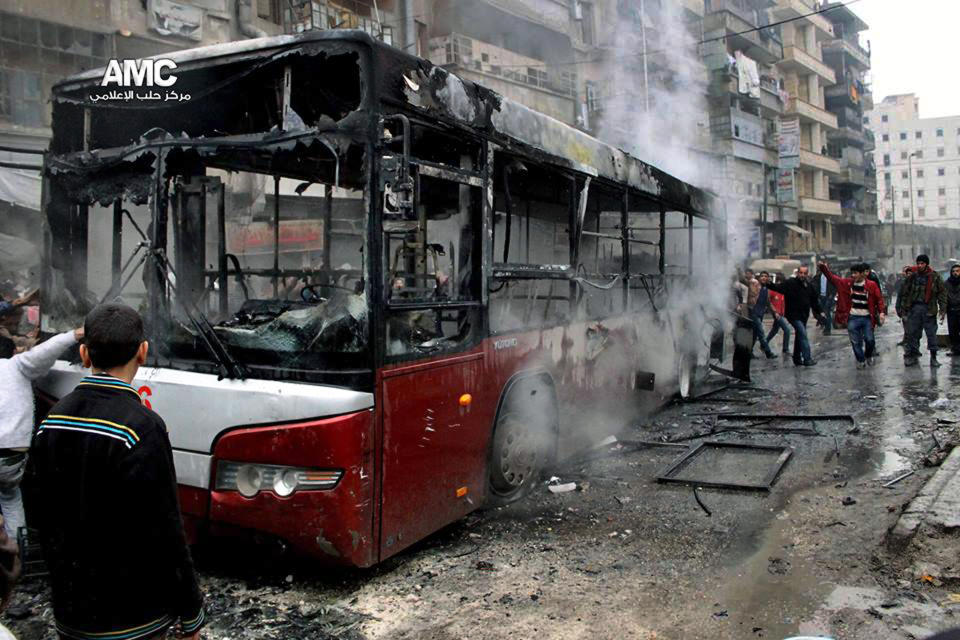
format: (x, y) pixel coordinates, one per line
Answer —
(236, 221)
(242, 222)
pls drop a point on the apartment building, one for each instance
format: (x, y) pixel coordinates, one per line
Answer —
(852, 143)
(805, 77)
(919, 159)
(747, 100)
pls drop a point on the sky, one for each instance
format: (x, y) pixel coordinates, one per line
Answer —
(913, 51)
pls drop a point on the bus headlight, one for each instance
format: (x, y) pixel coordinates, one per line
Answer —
(250, 478)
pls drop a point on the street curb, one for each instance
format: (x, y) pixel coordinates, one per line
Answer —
(916, 512)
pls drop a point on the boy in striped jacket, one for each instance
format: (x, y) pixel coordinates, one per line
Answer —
(106, 499)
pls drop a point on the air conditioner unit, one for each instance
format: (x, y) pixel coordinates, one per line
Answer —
(577, 10)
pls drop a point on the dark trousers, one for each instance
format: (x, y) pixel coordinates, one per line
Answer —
(953, 326)
(760, 335)
(743, 338)
(780, 323)
(919, 321)
(801, 343)
(826, 305)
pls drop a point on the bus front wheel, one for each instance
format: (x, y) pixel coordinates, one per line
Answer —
(519, 455)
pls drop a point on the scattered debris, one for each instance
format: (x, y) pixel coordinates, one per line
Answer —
(696, 496)
(946, 421)
(485, 565)
(940, 403)
(778, 566)
(671, 475)
(562, 488)
(847, 501)
(898, 479)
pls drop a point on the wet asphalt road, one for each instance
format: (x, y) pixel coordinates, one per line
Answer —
(626, 557)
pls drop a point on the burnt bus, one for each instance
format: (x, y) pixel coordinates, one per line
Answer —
(378, 296)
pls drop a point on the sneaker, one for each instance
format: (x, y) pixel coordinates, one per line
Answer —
(910, 362)
(861, 365)
(871, 361)
(809, 363)
(933, 360)
(771, 355)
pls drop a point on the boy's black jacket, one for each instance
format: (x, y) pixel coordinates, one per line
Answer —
(106, 508)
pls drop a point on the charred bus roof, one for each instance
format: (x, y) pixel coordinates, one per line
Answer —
(243, 78)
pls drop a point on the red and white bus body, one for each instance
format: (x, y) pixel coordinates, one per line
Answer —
(402, 441)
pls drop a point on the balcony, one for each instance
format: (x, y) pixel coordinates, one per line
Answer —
(857, 56)
(799, 9)
(819, 207)
(735, 20)
(797, 60)
(316, 15)
(457, 51)
(811, 160)
(806, 111)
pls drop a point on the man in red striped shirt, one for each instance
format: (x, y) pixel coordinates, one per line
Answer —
(861, 307)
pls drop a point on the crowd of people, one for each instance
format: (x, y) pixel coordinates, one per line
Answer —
(857, 303)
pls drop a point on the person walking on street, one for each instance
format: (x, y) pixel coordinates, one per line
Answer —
(827, 294)
(902, 280)
(923, 299)
(776, 306)
(743, 334)
(106, 499)
(17, 373)
(861, 308)
(761, 306)
(801, 298)
(953, 309)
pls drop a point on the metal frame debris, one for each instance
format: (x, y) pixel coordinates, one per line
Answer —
(667, 477)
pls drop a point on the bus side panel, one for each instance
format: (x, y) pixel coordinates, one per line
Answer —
(593, 365)
(335, 525)
(434, 445)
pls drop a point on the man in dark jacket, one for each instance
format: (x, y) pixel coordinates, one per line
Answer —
(106, 499)
(953, 308)
(923, 299)
(827, 294)
(802, 298)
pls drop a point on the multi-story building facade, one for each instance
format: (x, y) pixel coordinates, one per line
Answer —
(855, 186)
(918, 166)
(805, 76)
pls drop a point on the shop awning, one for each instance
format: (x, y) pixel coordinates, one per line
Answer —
(20, 187)
(796, 229)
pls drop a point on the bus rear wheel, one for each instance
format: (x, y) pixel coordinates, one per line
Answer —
(518, 457)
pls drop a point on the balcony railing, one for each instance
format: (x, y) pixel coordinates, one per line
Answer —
(300, 16)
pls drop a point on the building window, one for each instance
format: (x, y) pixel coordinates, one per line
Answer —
(943, 211)
(904, 175)
(918, 134)
(905, 194)
(903, 155)
(919, 193)
(889, 215)
(586, 23)
(942, 191)
(941, 171)
(866, 120)
(903, 135)
(886, 159)
(918, 154)
(886, 176)
(919, 173)
(886, 137)
(939, 133)
(921, 212)
(940, 152)
(884, 118)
